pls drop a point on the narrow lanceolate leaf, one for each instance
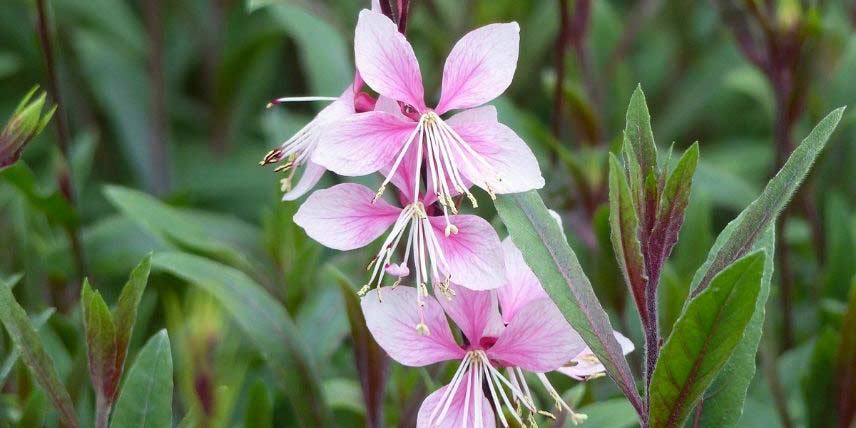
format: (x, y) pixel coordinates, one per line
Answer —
(372, 362)
(673, 204)
(723, 401)
(743, 232)
(624, 233)
(818, 382)
(638, 134)
(265, 322)
(125, 315)
(146, 397)
(100, 342)
(847, 364)
(9, 363)
(703, 339)
(547, 252)
(27, 341)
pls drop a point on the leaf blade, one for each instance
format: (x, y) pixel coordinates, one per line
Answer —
(24, 335)
(547, 252)
(146, 397)
(703, 339)
(266, 323)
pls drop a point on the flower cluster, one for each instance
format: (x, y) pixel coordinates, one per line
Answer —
(434, 158)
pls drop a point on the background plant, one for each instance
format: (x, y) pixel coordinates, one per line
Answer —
(167, 98)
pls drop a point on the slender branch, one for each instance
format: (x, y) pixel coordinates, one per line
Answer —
(771, 373)
(160, 164)
(386, 9)
(64, 182)
(561, 49)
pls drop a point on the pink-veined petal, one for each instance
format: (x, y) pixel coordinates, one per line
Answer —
(587, 364)
(312, 172)
(538, 339)
(474, 254)
(480, 67)
(386, 60)
(454, 417)
(362, 143)
(513, 166)
(522, 286)
(476, 313)
(343, 216)
(393, 320)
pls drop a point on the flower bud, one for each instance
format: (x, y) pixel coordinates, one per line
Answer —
(28, 120)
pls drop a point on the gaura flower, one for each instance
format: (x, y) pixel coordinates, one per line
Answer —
(463, 248)
(523, 288)
(537, 339)
(471, 147)
(297, 150)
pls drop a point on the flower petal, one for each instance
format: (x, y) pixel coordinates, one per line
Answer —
(587, 364)
(475, 312)
(522, 286)
(508, 156)
(454, 417)
(480, 67)
(343, 216)
(362, 143)
(538, 339)
(386, 60)
(474, 254)
(392, 322)
(311, 174)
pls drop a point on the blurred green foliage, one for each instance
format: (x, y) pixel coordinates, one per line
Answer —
(165, 102)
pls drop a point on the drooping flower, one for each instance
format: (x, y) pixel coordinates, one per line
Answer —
(443, 248)
(536, 339)
(297, 150)
(522, 288)
(470, 148)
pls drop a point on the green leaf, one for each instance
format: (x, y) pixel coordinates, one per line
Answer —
(259, 407)
(329, 70)
(24, 335)
(172, 224)
(9, 363)
(49, 202)
(146, 397)
(723, 401)
(125, 313)
(703, 339)
(743, 232)
(673, 205)
(846, 370)
(100, 344)
(819, 382)
(265, 322)
(612, 413)
(840, 247)
(624, 233)
(371, 360)
(547, 252)
(638, 135)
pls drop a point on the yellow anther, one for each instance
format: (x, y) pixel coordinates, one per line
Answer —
(365, 289)
(379, 193)
(451, 229)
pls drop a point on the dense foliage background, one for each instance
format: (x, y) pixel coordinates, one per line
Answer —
(163, 103)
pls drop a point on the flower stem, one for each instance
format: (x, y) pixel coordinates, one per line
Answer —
(64, 181)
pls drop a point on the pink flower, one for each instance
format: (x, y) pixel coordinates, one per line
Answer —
(537, 339)
(471, 147)
(297, 150)
(523, 287)
(346, 217)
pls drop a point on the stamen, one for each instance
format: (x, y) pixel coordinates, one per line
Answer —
(279, 101)
(449, 395)
(576, 418)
